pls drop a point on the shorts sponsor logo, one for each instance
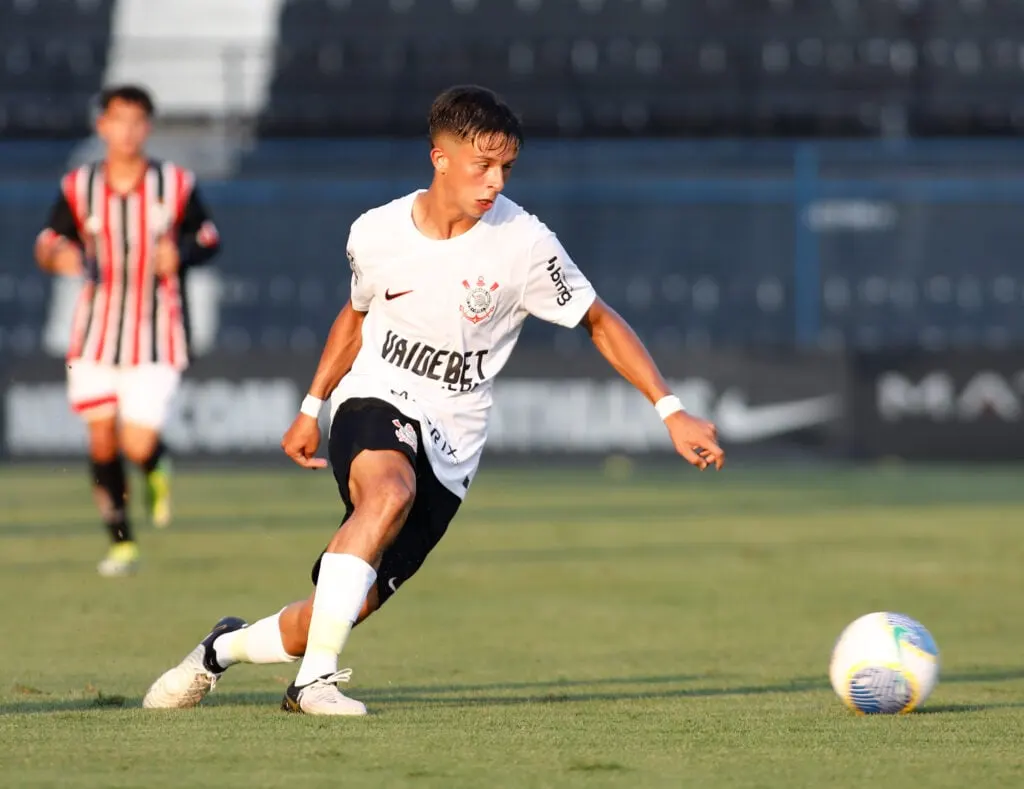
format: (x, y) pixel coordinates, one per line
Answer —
(446, 450)
(479, 304)
(405, 433)
(563, 291)
(459, 371)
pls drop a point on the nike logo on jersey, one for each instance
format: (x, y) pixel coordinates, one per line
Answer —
(389, 295)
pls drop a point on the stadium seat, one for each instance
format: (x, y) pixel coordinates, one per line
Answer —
(52, 60)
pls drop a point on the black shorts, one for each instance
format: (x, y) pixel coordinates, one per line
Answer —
(372, 424)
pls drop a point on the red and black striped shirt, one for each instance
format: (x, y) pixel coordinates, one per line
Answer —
(126, 314)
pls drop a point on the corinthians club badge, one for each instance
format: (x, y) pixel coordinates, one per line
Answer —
(479, 304)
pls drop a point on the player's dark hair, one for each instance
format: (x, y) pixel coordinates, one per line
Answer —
(132, 94)
(469, 111)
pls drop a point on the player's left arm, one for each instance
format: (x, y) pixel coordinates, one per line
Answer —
(558, 292)
(58, 248)
(198, 238)
(695, 439)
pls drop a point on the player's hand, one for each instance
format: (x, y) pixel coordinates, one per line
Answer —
(67, 260)
(166, 257)
(696, 440)
(301, 442)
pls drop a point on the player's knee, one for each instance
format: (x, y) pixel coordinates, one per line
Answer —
(135, 453)
(103, 453)
(138, 444)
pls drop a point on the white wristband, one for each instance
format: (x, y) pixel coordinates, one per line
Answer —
(311, 406)
(668, 405)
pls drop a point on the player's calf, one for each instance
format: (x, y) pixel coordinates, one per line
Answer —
(110, 490)
(142, 445)
(295, 618)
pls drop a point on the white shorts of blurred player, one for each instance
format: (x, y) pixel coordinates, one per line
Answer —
(138, 395)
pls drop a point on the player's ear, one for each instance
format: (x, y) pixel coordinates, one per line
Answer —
(439, 159)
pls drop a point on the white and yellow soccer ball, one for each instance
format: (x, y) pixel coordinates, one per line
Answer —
(884, 663)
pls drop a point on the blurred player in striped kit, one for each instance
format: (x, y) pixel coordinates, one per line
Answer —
(131, 227)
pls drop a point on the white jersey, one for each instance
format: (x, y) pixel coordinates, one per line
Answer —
(444, 315)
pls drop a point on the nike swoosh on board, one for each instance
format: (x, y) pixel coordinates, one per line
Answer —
(739, 421)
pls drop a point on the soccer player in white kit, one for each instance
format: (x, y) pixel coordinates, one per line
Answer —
(442, 280)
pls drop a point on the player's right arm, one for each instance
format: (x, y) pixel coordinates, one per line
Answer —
(346, 335)
(343, 343)
(58, 247)
(344, 340)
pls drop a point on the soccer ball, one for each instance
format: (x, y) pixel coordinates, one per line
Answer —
(884, 663)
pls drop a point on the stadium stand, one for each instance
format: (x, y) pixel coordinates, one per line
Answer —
(631, 67)
(53, 56)
(885, 265)
(576, 67)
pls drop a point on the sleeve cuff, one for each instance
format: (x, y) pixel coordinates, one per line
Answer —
(577, 309)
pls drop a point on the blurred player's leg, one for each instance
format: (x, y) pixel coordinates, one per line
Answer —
(92, 390)
(110, 488)
(145, 394)
(143, 447)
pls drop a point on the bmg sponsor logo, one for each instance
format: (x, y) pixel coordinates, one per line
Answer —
(563, 292)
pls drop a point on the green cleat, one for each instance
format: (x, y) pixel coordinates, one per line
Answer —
(158, 494)
(121, 559)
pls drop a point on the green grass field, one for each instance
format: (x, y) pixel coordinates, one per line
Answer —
(572, 630)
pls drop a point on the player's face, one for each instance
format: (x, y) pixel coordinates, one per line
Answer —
(124, 127)
(475, 171)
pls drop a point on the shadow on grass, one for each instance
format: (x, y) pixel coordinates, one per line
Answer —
(560, 691)
(960, 708)
(36, 705)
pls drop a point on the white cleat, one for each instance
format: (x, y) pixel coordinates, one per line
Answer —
(193, 678)
(183, 686)
(322, 697)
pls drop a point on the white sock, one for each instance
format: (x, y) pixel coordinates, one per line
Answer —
(260, 642)
(341, 590)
